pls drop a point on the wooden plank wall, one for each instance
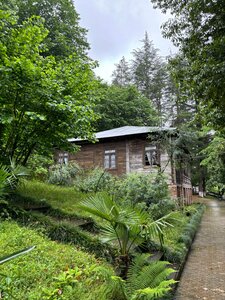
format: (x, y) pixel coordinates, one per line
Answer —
(92, 155)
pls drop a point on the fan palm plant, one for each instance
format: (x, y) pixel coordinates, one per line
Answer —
(127, 226)
(9, 176)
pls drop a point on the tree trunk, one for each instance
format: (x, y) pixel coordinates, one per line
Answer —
(123, 263)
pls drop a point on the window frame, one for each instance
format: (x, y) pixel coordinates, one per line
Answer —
(110, 163)
(149, 149)
(63, 158)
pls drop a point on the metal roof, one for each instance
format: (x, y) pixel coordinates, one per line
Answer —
(125, 131)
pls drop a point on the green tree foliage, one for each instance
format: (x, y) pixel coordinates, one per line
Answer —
(122, 74)
(185, 114)
(180, 106)
(149, 72)
(214, 161)
(43, 102)
(61, 20)
(122, 106)
(198, 29)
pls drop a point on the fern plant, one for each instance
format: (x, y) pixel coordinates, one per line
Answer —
(146, 280)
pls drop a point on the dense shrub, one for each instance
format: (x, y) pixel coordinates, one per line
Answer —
(178, 252)
(94, 180)
(136, 188)
(63, 174)
(39, 166)
(162, 208)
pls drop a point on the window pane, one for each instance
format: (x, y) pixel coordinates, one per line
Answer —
(154, 158)
(147, 159)
(110, 159)
(106, 162)
(113, 161)
(66, 160)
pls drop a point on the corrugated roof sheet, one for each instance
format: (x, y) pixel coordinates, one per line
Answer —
(126, 131)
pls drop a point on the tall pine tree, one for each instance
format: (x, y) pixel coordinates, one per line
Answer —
(122, 75)
(148, 72)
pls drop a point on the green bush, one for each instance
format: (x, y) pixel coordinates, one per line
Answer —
(63, 174)
(136, 188)
(94, 180)
(39, 166)
(177, 244)
(176, 254)
(162, 208)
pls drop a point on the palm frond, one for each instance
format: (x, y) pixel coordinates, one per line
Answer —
(101, 206)
(15, 254)
(132, 216)
(4, 180)
(157, 227)
(18, 170)
(108, 233)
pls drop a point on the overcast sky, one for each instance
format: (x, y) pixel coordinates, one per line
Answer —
(115, 28)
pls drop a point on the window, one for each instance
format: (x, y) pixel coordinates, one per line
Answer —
(110, 159)
(151, 156)
(63, 158)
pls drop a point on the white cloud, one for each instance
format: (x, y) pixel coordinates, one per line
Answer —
(116, 28)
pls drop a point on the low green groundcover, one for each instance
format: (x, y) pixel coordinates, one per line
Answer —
(50, 271)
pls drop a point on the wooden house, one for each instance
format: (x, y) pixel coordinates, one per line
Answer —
(131, 149)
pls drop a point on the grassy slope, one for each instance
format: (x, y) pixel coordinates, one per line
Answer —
(31, 274)
(64, 198)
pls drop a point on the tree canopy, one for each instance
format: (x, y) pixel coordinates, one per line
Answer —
(43, 101)
(198, 28)
(146, 70)
(65, 35)
(122, 106)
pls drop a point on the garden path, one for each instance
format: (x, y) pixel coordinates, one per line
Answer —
(204, 273)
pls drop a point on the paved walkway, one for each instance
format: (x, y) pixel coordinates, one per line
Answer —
(204, 274)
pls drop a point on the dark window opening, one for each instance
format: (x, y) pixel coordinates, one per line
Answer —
(151, 157)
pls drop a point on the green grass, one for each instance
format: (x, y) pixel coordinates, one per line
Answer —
(63, 198)
(50, 271)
